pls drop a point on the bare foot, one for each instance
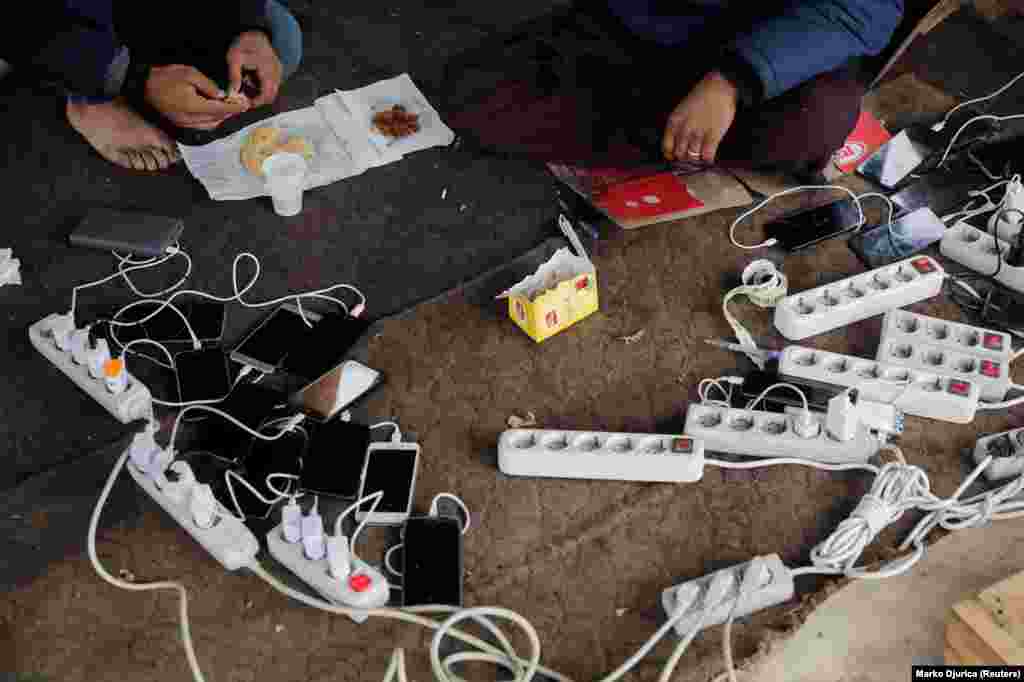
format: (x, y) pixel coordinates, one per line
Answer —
(122, 136)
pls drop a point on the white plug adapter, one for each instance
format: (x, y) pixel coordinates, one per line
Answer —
(97, 358)
(79, 346)
(161, 461)
(60, 328)
(841, 422)
(313, 544)
(291, 522)
(805, 425)
(143, 450)
(339, 560)
(203, 506)
(177, 488)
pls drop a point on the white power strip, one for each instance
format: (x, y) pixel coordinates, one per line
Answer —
(856, 298)
(770, 434)
(229, 540)
(916, 392)
(364, 588)
(598, 455)
(1007, 451)
(135, 402)
(933, 345)
(775, 587)
(976, 250)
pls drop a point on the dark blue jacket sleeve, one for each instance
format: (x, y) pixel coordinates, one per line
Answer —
(811, 37)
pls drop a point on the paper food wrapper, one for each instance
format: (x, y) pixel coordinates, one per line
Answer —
(339, 127)
(559, 294)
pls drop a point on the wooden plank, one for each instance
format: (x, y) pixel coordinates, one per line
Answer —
(969, 647)
(1005, 603)
(977, 618)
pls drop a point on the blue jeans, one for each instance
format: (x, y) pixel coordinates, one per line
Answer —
(286, 37)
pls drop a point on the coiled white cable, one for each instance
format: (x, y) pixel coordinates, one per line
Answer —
(791, 190)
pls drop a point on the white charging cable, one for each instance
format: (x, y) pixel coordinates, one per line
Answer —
(938, 127)
(983, 117)
(124, 262)
(123, 270)
(791, 190)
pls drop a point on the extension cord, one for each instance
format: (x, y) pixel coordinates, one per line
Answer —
(363, 588)
(135, 402)
(856, 298)
(228, 540)
(1007, 452)
(976, 249)
(599, 455)
(918, 393)
(979, 355)
(775, 587)
(770, 434)
(1007, 225)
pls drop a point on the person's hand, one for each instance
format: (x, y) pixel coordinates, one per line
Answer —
(188, 99)
(252, 51)
(698, 123)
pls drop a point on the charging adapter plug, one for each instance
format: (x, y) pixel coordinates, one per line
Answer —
(80, 346)
(721, 585)
(842, 421)
(143, 450)
(60, 329)
(805, 425)
(181, 481)
(339, 560)
(884, 418)
(161, 461)
(358, 310)
(291, 522)
(203, 506)
(98, 357)
(313, 536)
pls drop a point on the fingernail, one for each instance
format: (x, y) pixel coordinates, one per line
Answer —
(222, 94)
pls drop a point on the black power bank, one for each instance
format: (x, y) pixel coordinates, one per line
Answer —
(134, 232)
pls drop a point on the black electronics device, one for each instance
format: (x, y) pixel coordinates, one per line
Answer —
(909, 234)
(202, 375)
(334, 461)
(127, 232)
(283, 455)
(806, 228)
(432, 561)
(284, 330)
(323, 347)
(756, 382)
(206, 318)
(943, 192)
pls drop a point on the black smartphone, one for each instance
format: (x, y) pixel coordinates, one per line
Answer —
(324, 346)
(337, 390)
(266, 347)
(909, 234)
(943, 192)
(283, 455)
(206, 317)
(432, 561)
(334, 462)
(755, 383)
(251, 404)
(202, 375)
(895, 160)
(806, 228)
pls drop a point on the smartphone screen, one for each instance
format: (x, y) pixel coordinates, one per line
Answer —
(910, 233)
(432, 561)
(281, 456)
(894, 160)
(941, 192)
(266, 347)
(392, 470)
(807, 228)
(324, 346)
(334, 461)
(202, 375)
(337, 389)
(206, 318)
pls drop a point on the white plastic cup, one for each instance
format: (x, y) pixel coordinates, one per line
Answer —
(286, 178)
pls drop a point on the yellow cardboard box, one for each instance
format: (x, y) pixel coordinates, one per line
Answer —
(558, 306)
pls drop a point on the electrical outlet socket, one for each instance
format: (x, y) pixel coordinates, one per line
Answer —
(363, 588)
(1007, 450)
(915, 392)
(977, 250)
(770, 434)
(228, 541)
(856, 298)
(135, 402)
(664, 458)
(775, 587)
(979, 355)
